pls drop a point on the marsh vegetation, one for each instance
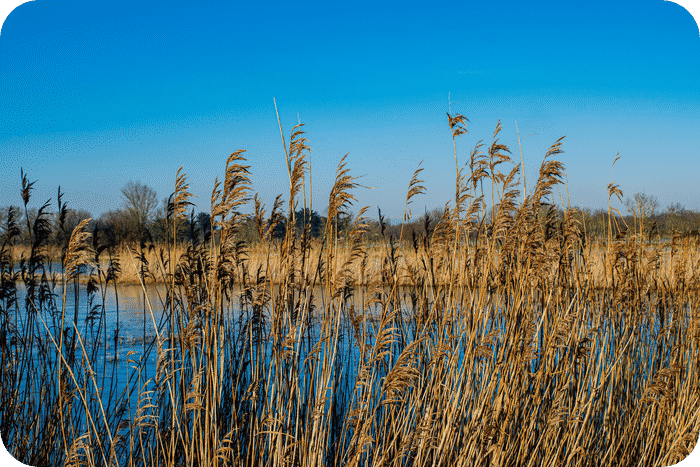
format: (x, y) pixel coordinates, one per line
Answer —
(502, 336)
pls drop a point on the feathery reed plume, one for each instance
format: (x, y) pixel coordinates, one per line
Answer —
(80, 251)
(551, 173)
(414, 188)
(181, 197)
(497, 156)
(458, 127)
(339, 201)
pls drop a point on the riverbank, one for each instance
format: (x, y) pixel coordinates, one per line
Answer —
(666, 261)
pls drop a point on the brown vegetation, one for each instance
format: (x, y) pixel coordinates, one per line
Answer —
(501, 337)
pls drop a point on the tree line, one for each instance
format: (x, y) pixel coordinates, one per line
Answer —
(143, 219)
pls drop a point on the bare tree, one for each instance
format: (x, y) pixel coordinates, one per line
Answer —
(140, 201)
(642, 205)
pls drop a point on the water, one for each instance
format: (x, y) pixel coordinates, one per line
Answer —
(118, 329)
(107, 336)
(119, 340)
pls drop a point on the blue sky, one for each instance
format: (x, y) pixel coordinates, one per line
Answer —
(96, 95)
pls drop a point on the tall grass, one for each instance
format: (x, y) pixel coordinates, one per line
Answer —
(495, 337)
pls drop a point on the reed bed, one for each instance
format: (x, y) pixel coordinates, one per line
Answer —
(673, 260)
(496, 337)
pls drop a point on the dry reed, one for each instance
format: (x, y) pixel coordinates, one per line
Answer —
(493, 338)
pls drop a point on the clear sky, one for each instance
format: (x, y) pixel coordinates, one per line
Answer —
(94, 95)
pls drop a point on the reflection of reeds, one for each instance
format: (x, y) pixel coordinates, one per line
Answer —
(501, 336)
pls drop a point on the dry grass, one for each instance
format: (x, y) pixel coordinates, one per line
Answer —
(670, 262)
(491, 339)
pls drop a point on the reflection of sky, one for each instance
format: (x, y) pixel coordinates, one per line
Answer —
(96, 93)
(135, 322)
(128, 307)
(131, 329)
(131, 305)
